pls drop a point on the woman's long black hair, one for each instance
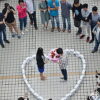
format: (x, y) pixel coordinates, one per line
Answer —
(6, 5)
(39, 52)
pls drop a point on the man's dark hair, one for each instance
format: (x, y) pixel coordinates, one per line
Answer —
(76, 1)
(20, 98)
(95, 8)
(85, 5)
(60, 51)
(50, 99)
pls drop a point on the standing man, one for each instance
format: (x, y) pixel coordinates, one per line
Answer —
(93, 17)
(85, 24)
(43, 7)
(96, 32)
(76, 11)
(31, 8)
(53, 6)
(65, 12)
(63, 63)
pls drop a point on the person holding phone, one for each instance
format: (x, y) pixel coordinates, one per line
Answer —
(10, 20)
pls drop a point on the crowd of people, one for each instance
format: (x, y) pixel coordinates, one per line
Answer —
(87, 22)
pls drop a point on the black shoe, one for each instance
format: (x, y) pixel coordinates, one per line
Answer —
(18, 36)
(2, 45)
(93, 51)
(91, 41)
(36, 28)
(82, 36)
(88, 38)
(6, 41)
(13, 35)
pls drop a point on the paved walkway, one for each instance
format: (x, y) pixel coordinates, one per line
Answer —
(12, 85)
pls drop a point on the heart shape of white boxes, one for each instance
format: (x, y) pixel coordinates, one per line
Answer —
(76, 87)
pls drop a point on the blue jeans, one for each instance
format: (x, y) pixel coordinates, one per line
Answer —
(68, 21)
(23, 23)
(3, 36)
(96, 44)
(53, 18)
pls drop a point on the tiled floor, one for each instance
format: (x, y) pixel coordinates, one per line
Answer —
(12, 85)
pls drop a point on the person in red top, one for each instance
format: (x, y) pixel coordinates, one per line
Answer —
(22, 14)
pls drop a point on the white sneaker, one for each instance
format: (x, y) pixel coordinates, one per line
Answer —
(26, 29)
(22, 33)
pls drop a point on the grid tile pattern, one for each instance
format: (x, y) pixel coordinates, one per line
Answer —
(12, 85)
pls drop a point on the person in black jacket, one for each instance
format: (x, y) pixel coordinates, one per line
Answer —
(2, 31)
(77, 16)
(40, 58)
